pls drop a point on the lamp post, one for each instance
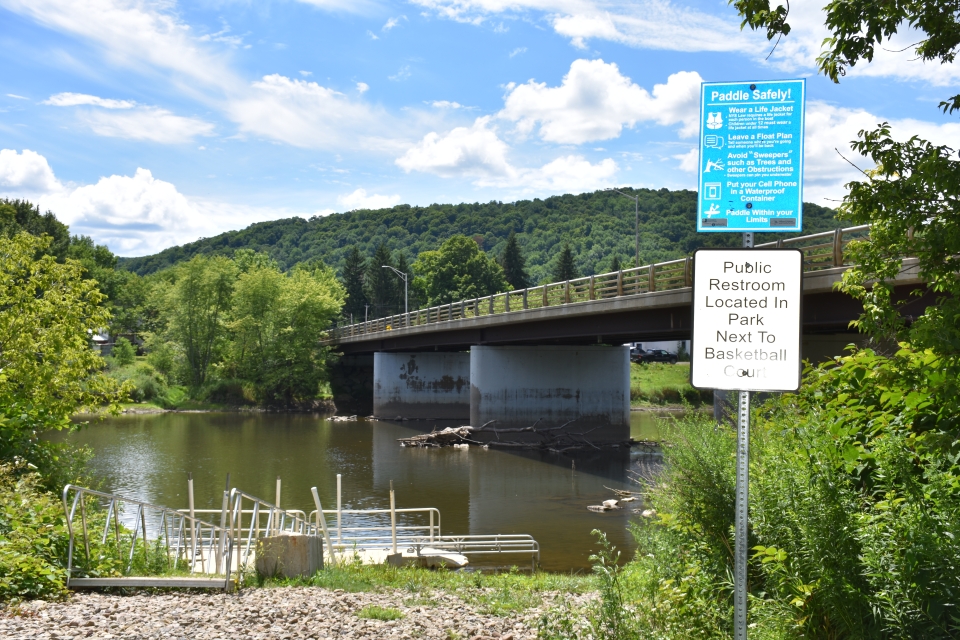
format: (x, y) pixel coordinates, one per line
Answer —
(636, 211)
(403, 276)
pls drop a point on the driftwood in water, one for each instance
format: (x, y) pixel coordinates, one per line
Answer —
(556, 439)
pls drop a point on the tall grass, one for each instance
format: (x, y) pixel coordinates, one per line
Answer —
(854, 512)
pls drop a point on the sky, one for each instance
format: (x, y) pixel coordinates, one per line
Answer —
(146, 124)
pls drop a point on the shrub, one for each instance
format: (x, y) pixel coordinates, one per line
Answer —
(123, 352)
(33, 537)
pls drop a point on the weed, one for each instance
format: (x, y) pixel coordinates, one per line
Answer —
(373, 612)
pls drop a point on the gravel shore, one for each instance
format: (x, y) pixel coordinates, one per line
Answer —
(280, 613)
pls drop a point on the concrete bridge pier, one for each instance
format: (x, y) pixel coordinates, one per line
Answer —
(519, 386)
(427, 386)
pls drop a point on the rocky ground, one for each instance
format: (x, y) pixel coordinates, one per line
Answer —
(277, 614)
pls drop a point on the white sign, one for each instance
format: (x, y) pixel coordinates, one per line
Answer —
(746, 319)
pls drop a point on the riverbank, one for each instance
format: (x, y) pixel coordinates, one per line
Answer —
(279, 613)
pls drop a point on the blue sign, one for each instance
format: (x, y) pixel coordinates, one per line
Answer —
(751, 156)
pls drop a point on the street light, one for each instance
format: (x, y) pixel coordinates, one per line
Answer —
(636, 205)
(403, 276)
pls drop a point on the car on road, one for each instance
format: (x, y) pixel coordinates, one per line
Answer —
(653, 355)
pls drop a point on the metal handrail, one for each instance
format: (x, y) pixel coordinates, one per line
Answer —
(278, 521)
(369, 536)
(660, 276)
(186, 538)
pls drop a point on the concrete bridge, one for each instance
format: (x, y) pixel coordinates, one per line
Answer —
(552, 353)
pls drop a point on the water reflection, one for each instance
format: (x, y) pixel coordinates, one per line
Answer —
(478, 491)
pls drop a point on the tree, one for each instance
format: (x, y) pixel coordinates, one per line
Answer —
(277, 320)
(48, 370)
(565, 269)
(615, 264)
(354, 269)
(514, 264)
(911, 196)
(458, 270)
(381, 285)
(196, 306)
(21, 215)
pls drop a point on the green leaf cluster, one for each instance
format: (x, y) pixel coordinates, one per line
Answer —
(48, 370)
(458, 270)
(241, 331)
(855, 510)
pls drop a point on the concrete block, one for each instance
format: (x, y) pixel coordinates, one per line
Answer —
(289, 555)
(425, 386)
(519, 386)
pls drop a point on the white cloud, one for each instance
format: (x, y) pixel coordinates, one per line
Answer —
(362, 87)
(392, 22)
(133, 215)
(77, 99)
(595, 101)
(306, 114)
(648, 24)
(445, 104)
(146, 123)
(26, 174)
(133, 121)
(134, 34)
(518, 51)
(477, 152)
(402, 74)
(360, 200)
(689, 161)
(306, 74)
(13, 95)
(474, 151)
(372, 35)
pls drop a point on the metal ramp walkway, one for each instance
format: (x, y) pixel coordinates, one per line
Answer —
(116, 541)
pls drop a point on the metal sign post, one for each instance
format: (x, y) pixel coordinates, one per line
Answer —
(746, 337)
(743, 484)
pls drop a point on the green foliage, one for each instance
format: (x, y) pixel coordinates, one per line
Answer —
(33, 538)
(910, 197)
(18, 216)
(855, 510)
(196, 306)
(597, 225)
(458, 270)
(908, 200)
(353, 277)
(514, 264)
(382, 291)
(275, 323)
(374, 612)
(48, 370)
(565, 267)
(123, 352)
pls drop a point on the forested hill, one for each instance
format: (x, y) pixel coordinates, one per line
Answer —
(597, 225)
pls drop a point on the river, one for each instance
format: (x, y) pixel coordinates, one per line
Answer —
(477, 490)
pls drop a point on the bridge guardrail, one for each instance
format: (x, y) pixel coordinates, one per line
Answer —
(820, 251)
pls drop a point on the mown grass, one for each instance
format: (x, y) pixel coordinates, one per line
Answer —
(659, 384)
(492, 593)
